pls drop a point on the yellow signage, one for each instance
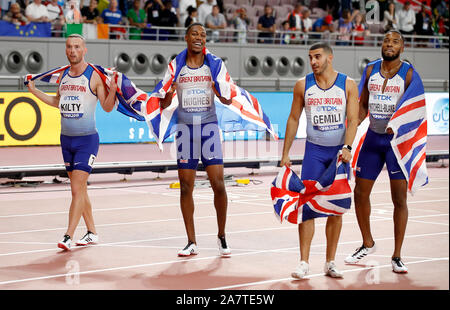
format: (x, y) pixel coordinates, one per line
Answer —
(25, 120)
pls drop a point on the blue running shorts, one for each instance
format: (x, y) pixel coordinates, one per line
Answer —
(79, 152)
(316, 160)
(199, 141)
(375, 151)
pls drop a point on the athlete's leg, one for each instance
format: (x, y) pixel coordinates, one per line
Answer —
(305, 234)
(187, 180)
(78, 185)
(215, 175)
(398, 194)
(87, 212)
(332, 232)
(363, 188)
(88, 217)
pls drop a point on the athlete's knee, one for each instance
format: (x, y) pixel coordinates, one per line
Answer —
(79, 190)
(359, 193)
(218, 186)
(186, 188)
(399, 200)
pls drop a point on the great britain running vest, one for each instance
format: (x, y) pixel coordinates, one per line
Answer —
(195, 95)
(325, 111)
(382, 104)
(77, 104)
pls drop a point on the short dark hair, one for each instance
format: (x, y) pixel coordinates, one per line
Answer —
(192, 25)
(397, 32)
(325, 46)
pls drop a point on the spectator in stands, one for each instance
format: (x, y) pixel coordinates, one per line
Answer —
(14, 15)
(113, 16)
(423, 22)
(153, 9)
(390, 18)
(286, 35)
(36, 12)
(215, 21)
(241, 22)
(72, 13)
(136, 18)
(89, 14)
(204, 10)
(345, 28)
(192, 18)
(56, 17)
(183, 5)
(294, 18)
(406, 19)
(168, 18)
(266, 24)
(360, 30)
(323, 24)
(306, 23)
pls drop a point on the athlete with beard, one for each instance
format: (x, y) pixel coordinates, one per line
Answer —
(79, 90)
(198, 136)
(330, 100)
(385, 82)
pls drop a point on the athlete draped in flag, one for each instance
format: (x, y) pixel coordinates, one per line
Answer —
(198, 136)
(329, 99)
(392, 93)
(79, 89)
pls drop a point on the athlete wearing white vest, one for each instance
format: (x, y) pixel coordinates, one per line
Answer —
(329, 99)
(385, 82)
(198, 130)
(325, 111)
(76, 98)
(77, 104)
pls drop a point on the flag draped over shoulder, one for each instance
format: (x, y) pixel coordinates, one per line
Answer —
(297, 200)
(244, 113)
(126, 95)
(409, 124)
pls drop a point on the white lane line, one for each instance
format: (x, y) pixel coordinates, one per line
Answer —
(321, 274)
(174, 262)
(243, 201)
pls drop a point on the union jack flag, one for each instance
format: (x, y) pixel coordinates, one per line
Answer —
(244, 113)
(297, 200)
(409, 124)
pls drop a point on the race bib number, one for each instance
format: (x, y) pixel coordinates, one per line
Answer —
(91, 160)
(382, 107)
(327, 118)
(196, 99)
(70, 109)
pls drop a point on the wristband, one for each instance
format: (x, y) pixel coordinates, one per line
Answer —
(348, 147)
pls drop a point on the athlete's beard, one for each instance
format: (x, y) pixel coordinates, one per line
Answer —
(390, 58)
(323, 68)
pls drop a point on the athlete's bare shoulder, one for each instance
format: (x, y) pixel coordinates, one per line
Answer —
(300, 85)
(95, 82)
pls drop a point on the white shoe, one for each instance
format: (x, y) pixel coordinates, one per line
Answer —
(88, 238)
(359, 254)
(331, 270)
(189, 249)
(65, 243)
(301, 271)
(398, 266)
(224, 250)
